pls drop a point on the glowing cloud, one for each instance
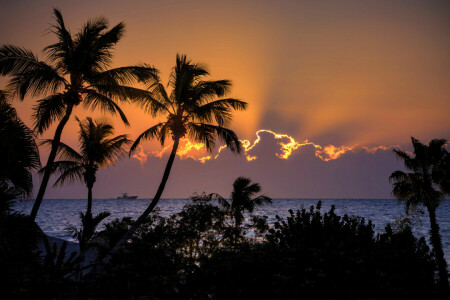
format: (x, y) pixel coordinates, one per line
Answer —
(333, 152)
(188, 149)
(141, 156)
(286, 148)
(288, 145)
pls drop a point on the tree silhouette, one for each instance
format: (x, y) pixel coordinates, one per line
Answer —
(421, 187)
(75, 72)
(192, 110)
(241, 199)
(19, 155)
(96, 151)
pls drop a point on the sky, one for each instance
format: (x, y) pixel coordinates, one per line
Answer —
(332, 88)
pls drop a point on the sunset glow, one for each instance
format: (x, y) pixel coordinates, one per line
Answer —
(197, 151)
(327, 83)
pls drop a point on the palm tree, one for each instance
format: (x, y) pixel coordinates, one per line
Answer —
(19, 155)
(422, 187)
(241, 199)
(191, 109)
(75, 72)
(96, 151)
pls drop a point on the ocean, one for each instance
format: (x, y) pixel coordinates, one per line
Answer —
(55, 215)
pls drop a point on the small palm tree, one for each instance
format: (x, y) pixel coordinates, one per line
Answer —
(423, 186)
(96, 151)
(19, 155)
(192, 110)
(241, 199)
(75, 72)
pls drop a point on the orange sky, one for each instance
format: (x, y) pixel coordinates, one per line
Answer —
(345, 73)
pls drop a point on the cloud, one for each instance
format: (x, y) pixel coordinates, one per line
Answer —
(287, 145)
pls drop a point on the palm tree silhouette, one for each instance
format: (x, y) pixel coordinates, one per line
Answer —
(424, 187)
(76, 71)
(241, 199)
(96, 151)
(19, 155)
(191, 109)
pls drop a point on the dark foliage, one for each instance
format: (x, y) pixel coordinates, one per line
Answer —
(25, 272)
(308, 254)
(19, 155)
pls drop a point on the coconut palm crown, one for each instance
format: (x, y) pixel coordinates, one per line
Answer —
(76, 71)
(192, 109)
(425, 185)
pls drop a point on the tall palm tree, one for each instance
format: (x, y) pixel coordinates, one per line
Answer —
(97, 150)
(241, 199)
(19, 155)
(422, 187)
(192, 110)
(75, 72)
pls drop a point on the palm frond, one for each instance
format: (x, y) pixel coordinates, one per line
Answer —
(64, 150)
(16, 60)
(208, 90)
(113, 149)
(262, 200)
(160, 94)
(105, 43)
(4, 97)
(126, 75)
(220, 110)
(74, 171)
(70, 175)
(47, 111)
(409, 161)
(38, 81)
(94, 99)
(151, 133)
(204, 133)
(19, 153)
(29, 75)
(142, 98)
(99, 54)
(61, 52)
(183, 77)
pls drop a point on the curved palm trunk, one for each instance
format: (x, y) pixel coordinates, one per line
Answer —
(98, 269)
(51, 159)
(436, 241)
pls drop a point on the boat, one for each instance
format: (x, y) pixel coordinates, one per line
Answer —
(126, 197)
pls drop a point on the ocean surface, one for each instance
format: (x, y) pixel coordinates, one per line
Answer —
(55, 215)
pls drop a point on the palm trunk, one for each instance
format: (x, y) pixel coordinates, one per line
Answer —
(98, 269)
(89, 204)
(51, 159)
(436, 242)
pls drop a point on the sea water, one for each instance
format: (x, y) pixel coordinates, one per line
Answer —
(55, 215)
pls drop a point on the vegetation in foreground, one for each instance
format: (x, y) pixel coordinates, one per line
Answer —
(201, 253)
